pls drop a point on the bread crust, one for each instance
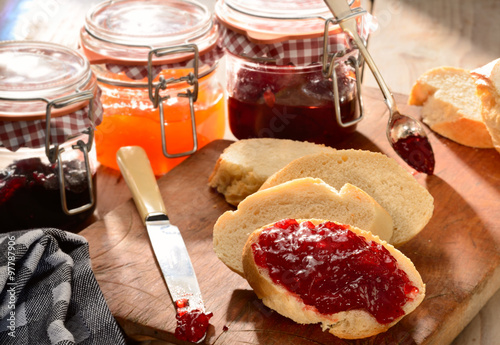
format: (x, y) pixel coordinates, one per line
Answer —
(305, 197)
(443, 110)
(488, 83)
(353, 324)
(409, 204)
(244, 165)
(476, 135)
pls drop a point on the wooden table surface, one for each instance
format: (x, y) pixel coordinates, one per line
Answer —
(412, 37)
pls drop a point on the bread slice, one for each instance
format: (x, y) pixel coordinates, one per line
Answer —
(244, 165)
(451, 106)
(352, 324)
(301, 198)
(488, 90)
(409, 204)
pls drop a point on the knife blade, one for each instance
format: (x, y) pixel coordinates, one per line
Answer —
(168, 245)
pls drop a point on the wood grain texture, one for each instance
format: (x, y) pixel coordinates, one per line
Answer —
(415, 36)
(457, 253)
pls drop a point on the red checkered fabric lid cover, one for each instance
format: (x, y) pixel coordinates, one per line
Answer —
(31, 134)
(209, 58)
(283, 32)
(298, 52)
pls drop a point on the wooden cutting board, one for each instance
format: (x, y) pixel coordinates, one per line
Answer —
(457, 253)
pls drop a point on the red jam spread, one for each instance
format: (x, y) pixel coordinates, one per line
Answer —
(333, 269)
(30, 198)
(290, 105)
(417, 152)
(192, 325)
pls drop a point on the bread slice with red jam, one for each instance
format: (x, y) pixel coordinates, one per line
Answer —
(300, 198)
(317, 271)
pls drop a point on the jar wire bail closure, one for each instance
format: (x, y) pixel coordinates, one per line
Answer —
(54, 152)
(154, 88)
(157, 99)
(329, 64)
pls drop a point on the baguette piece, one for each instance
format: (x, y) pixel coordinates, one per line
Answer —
(450, 106)
(409, 204)
(244, 165)
(488, 90)
(301, 198)
(351, 324)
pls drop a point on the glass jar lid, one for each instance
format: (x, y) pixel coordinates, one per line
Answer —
(32, 70)
(286, 9)
(45, 88)
(125, 31)
(271, 21)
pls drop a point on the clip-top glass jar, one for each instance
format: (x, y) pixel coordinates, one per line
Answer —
(49, 106)
(155, 62)
(291, 71)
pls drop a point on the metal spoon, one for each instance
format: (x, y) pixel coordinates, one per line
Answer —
(405, 134)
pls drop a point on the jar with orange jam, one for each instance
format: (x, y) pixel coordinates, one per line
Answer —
(292, 73)
(156, 64)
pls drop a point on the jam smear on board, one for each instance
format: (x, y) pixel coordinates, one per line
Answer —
(417, 152)
(192, 325)
(291, 105)
(333, 269)
(30, 196)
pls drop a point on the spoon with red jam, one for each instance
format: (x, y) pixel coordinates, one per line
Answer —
(406, 135)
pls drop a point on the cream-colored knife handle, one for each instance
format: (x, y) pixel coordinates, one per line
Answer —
(138, 174)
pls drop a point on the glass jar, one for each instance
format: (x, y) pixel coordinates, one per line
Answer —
(291, 71)
(49, 106)
(157, 71)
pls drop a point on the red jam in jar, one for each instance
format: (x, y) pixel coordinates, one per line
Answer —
(30, 195)
(333, 269)
(47, 170)
(290, 103)
(290, 73)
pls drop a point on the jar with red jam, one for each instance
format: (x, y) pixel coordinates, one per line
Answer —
(291, 71)
(156, 64)
(49, 107)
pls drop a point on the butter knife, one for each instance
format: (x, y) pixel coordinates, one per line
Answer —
(167, 242)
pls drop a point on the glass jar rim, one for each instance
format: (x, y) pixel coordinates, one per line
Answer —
(264, 21)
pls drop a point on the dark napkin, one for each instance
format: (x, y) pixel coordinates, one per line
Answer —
(49, 294)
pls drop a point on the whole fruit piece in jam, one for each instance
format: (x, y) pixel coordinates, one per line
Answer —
(333, 269)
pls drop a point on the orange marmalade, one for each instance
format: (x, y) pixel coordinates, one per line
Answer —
(130, 119)
(131, 44)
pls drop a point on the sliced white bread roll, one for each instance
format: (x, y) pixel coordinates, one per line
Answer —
(290, 299)
(488, 90)
(409, 204)
(450, 106)
(301, 198)
(244, 165)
